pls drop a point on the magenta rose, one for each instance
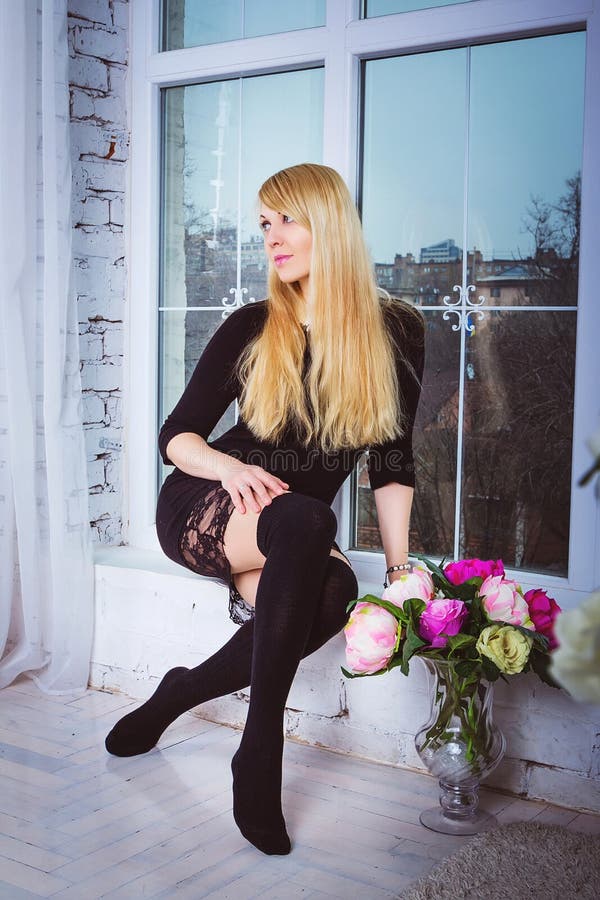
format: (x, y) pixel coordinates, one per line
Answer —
(543, 611)
(457, 572)
(440, 619)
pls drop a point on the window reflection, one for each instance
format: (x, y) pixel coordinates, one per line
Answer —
(525, 145)
(192, 23)
(414, 169)
(372, 8)
(518, 439)
(218, 147)
(516, 242)
(434, 446)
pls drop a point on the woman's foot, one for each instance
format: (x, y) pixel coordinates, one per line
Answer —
(139, 731)
(257, 801)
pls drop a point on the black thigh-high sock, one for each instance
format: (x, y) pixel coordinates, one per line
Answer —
(226, 671)
(295, 533)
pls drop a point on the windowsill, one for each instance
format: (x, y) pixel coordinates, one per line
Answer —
(134, 558)
(156, 562)
(368, 567)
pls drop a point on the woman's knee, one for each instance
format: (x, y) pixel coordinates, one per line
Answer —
(289, 517)
(294, 517)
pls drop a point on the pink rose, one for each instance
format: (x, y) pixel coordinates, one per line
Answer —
(440, 619)
(543, 611)
(503, 601)
(371, 635)
(415, 582)
(457, 572)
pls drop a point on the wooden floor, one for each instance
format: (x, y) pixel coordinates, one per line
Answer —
(78, 823)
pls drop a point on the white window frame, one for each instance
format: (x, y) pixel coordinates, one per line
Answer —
(340, 46)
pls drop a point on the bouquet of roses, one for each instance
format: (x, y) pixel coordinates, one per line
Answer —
(467, 612)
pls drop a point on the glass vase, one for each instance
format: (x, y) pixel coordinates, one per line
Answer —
(460, 745)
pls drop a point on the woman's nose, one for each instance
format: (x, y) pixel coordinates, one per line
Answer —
(273, 236)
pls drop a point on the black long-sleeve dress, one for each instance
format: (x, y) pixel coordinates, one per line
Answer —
(308, 470)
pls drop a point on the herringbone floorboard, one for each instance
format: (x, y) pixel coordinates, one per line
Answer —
(78, 823)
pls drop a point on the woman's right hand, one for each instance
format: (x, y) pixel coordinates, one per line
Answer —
(251, 487)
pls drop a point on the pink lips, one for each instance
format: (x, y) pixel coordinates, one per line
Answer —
(280, 260)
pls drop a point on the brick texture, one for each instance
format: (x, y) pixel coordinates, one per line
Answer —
(98, 50)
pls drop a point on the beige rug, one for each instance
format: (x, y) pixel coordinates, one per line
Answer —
(524, 861)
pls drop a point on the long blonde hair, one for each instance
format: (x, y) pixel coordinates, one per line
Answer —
(352, 394)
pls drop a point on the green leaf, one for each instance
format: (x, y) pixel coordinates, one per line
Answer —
(540, 663)
(363, 674)
(490, 669)
(394, 662)
(352, 674)
(467, 669)
(479, 620)
(433, 568)
(385, 604)
(412, 642)
(540, 641)
(413, 607)
(456, 641)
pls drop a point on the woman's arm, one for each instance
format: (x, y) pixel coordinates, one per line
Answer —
(394, 502)
(192, 455)
(250, 487)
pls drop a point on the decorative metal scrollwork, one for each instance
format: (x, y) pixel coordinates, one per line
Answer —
(236, 301)
(463, 307)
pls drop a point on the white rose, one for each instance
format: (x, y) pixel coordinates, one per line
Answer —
(575, 663)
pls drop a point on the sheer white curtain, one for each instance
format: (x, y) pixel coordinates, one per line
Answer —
(46, 571)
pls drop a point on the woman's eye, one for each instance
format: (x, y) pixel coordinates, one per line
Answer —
(264, 226)
(287, 218)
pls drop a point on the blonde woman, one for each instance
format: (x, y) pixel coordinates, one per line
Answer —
(323, 369)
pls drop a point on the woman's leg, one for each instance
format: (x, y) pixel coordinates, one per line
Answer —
(227, 670)
(246, 583)
(295, 534)
(293, 537)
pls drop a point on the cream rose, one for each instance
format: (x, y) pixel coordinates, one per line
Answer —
(575, 664)
(508, 648)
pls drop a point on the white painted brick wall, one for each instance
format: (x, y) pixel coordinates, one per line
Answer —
(149, 621)
(91, 11)
(98, 48)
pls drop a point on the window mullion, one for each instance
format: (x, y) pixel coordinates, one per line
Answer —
(463, 321)
(275, 52)
(461, 23)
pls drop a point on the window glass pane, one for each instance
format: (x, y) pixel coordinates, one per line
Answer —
(434, 445)
(525, 146)
(518, 439)
(201, 148)
(191, 23)
(372, 8)
(296, 137)
(183, 336)
(435, 440)
(517, 164)
(412, 213)
(219, 145)
(412, 197)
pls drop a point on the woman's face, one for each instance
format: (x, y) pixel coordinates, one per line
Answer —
(288, 246)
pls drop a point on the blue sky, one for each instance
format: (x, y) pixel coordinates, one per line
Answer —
(524, 138)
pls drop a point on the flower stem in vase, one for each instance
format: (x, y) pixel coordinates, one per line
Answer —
(460, 745)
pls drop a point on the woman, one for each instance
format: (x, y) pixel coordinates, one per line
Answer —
(323, 369)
